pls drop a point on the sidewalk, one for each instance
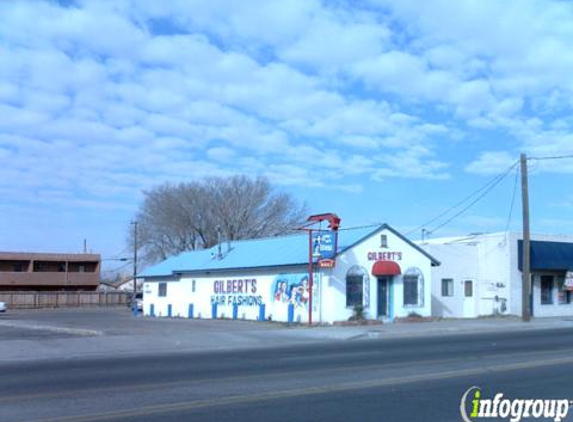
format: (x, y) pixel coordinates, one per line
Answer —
(435, 328)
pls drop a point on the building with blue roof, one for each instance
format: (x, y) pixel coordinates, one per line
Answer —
(375, 268)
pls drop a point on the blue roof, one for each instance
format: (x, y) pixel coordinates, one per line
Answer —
(253, 253)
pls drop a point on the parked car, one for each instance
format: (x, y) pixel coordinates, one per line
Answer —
(2, 307)
(137, 301)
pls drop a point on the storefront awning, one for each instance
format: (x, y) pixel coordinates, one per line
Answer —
(553, 256)
(381, 268)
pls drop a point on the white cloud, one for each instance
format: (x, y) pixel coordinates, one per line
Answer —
(124, 94)
(491, 162)
(222, 154)
(331, 41)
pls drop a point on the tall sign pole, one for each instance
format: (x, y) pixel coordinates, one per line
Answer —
(526, 251)
(333, 224)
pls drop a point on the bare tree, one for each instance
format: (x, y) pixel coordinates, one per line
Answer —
(182, 217)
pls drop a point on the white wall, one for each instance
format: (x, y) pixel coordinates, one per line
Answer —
(335, 284)
(494, 278)
(459, 262)
(160, 304)
(250, 289)
(485, 259)
(329, 288)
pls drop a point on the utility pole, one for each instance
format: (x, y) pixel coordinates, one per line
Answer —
(310, 275)
(134, 258)
(526, 251)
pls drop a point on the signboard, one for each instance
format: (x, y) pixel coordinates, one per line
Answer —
(323, 243)
(568, 284)
(326, 263)
(384, 256)
(241, 291)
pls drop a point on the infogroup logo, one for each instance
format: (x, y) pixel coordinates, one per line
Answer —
(474, 406)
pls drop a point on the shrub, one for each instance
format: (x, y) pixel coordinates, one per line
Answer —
(358, 313)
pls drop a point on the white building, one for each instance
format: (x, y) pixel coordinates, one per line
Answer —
(481, 275)
(268, 279)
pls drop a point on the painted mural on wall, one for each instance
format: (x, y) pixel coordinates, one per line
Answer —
(293, 289)
(242, 291)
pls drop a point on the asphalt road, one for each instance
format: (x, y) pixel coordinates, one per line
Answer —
(421, 379)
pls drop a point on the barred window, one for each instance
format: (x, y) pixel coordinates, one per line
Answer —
(410, 290)
(413, 281)
(356, 277)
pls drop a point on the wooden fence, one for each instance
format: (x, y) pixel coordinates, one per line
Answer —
(32, 300)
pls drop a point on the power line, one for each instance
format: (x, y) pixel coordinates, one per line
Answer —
(121, 267)
(365, 226)
(489, 189)
(481, 192)
(554, 157)
(489, 184)
(120, 254)
(512, 199)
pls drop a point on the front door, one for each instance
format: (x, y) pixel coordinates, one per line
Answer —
(383, 297)
(469, 302)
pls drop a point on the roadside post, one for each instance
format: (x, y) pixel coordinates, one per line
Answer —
(320, 250)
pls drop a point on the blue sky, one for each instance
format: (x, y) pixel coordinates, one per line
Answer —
(380, 111)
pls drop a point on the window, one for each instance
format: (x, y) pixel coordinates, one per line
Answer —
(81, 268)
(383, 241)
(468, 288)
(410, 290)
(18, 267)
(38, 266)
(447, 287)
(547, 290)
(355, 280)
(61, 267)
(193, 286)
(162, 289)
(413, 280)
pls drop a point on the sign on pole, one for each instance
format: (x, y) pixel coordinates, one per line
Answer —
(323, 242)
